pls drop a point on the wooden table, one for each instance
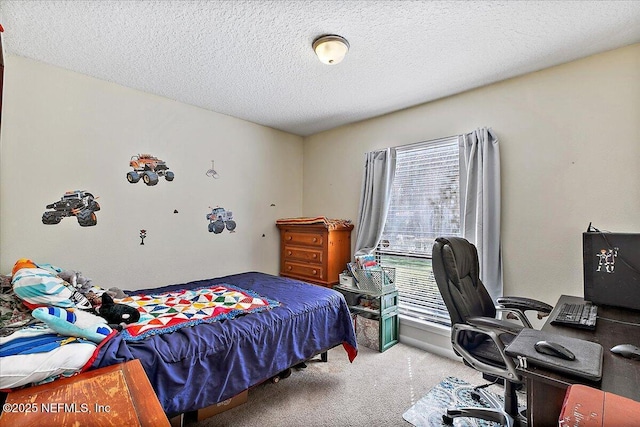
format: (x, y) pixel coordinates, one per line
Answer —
(118, 395)
(546, 389)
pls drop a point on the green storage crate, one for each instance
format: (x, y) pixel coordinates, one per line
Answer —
(376, 316)
(389, 331)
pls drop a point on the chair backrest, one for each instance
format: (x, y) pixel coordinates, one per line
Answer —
(457, 273)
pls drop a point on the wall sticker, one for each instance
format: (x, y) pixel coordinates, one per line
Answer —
(76, 203)
(149, 168)
(212, 172)
(607, 259)
(219, 219)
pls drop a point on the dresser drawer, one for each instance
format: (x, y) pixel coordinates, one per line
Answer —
(306, 239)
(314, 252)
(293, 253)
(304, 270)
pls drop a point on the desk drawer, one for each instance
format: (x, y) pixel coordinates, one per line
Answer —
(292, 253)
(310, 271)
(305, 239)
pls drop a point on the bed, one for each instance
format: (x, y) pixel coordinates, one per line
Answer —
(198, 366)
(195, 364)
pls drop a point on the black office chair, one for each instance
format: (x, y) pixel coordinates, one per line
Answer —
(476, 334)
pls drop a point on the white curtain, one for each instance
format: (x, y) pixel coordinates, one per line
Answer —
(379, 170)
(480, 203)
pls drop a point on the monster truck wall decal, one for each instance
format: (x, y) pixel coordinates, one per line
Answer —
(76, 203)
(149, 168)
(219, 219)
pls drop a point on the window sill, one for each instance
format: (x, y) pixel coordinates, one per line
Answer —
(433, 328)
(427, 336)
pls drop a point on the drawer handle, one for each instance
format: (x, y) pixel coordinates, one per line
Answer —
(288, 237)
(315, 239)
(289, 253)
(314, 271)
(289, 268)
(315, 256)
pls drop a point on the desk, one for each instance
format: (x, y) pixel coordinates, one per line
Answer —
(546, 389)
(115, 395)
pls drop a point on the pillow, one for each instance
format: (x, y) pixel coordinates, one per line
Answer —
(41, 287)
(66, 322)
(39, 367)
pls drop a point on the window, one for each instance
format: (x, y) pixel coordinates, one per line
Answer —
(424, 205)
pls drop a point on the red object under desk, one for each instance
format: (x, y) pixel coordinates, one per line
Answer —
(589, 407)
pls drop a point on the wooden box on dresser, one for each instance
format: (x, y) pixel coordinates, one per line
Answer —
(315, 253)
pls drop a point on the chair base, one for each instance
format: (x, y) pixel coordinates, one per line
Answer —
(486, 414)
(507, 416)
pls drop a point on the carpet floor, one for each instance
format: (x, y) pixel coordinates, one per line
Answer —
(375, 390)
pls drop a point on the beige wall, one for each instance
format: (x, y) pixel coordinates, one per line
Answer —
(570, 154)
(570, 144)
(64, 131)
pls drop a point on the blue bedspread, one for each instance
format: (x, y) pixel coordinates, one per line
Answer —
(198, 366)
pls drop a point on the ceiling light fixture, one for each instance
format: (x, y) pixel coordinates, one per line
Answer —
(331, 49)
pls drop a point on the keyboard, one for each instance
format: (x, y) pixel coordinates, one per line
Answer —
(580, 315)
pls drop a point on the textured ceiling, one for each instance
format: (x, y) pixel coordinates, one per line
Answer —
(253, 59)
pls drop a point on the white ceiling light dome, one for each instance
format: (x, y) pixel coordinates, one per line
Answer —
(331, 48)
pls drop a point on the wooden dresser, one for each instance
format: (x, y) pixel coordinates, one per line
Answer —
(316, 253)
(118, 395)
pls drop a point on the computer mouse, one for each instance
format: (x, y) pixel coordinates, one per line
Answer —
(554, 349)
(629, 351)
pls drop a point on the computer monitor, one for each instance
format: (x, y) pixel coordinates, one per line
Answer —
(612, 269)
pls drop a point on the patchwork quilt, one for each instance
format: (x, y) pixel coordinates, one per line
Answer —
(167, 312)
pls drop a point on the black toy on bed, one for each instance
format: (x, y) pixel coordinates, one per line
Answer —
(117, 313)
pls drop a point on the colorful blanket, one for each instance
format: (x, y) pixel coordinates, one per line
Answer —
(167, 312)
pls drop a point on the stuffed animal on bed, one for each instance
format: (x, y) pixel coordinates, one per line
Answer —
(84, 285)
(117, 314)
(73, 323)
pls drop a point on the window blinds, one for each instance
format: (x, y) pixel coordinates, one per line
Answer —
(424, 205)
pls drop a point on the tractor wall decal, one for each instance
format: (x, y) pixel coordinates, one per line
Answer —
(149, 168)
(219, 219)
(76, 203)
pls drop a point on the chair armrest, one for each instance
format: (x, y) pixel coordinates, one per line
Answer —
(509, 370)
(524, 304)
(495, 324)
